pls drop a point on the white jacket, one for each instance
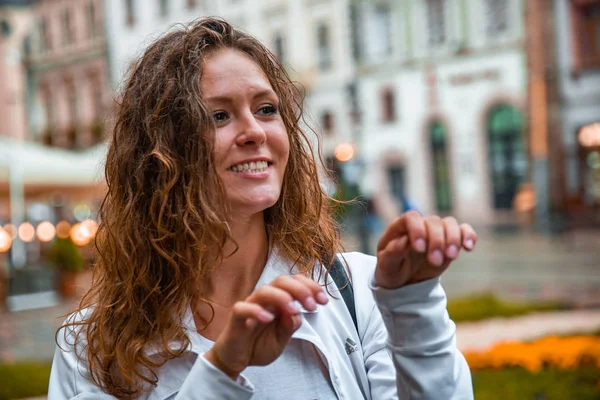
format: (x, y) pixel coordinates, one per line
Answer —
(425, 362)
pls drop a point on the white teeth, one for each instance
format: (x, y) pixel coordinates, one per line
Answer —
(253, 166)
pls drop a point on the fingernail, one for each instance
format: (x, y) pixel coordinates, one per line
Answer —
(469, 244)
(292, 308)
(297, 322)
(265, 316)
(452, 251)
(419, 245)
(322, 297)
(437, 258)
(310, 303)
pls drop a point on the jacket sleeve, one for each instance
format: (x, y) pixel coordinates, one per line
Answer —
(69, 379)
(422, 342)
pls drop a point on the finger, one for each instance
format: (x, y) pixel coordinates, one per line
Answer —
(394, 253)
(274, 299)
(316, 289)
(469, 236)
(245, 316)
(435, 240)
(288, 324)
(300, 290)
(453, 237)
(411, 224)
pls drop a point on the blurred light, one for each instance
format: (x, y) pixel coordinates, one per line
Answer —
(593, 160)
(589, 135)
(79, 235)
(344, 152)
(81, 212)
(63, 229)
(5, 240)
(26, 232)
(90, 226)
(45, 231)
(11, 229)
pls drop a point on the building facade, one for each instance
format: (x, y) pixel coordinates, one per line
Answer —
(311, 37)
(16, 18)
(577, 33)
(66, 60)
(443, 87)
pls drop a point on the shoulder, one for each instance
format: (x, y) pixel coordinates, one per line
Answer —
(361, 266)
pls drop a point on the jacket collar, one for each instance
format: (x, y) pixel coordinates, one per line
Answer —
(276, 266)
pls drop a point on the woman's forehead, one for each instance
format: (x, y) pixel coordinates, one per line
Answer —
(232, 70)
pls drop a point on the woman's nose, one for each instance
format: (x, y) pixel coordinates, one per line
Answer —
(251, 131)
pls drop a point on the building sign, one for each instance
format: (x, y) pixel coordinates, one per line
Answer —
(466, 78)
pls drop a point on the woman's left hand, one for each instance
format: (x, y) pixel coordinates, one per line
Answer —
(415, 248)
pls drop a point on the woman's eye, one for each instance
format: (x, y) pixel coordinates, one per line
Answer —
(220, 117)
(268, 110)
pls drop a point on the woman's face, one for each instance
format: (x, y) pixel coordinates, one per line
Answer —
(251, 146)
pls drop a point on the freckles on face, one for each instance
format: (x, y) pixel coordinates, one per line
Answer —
(251, 145)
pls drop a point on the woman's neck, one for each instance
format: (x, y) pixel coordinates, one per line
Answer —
(235, 278)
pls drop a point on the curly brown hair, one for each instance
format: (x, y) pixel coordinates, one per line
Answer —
(163, 212)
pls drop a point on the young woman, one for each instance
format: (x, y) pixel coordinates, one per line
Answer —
(214, 253)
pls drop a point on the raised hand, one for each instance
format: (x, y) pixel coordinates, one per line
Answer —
(261, 326)
(415, 248)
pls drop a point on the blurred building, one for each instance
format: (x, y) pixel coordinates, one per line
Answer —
(67, 67)
(311, 37)
(443, 88)
(15, 21)
(577, 27)
(55, 98)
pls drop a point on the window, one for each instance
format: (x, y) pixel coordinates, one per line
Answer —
(129, 13)
(324, 51)
(395, 175)
(436, 22)
(45, 36)
(97, 94)
(388, 105)
(496, 17)
(327, 122)
(586, 32)
(48, 103)
(163, 6)
(68, 28)
(279, 47)
(91, 17)
(381, 31)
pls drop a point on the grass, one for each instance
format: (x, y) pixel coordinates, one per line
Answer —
(547, 384)
(483, 306)
(23, 380)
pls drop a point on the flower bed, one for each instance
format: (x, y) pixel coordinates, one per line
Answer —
(552, 368)
(552, 351)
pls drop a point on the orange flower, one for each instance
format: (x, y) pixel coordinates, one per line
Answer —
(552, 351)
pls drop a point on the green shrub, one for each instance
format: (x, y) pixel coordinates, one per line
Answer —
(479, 307)
(23, 380)
(547, 384)
(66, 256)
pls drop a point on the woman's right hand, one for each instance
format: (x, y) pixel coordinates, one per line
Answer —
(261, 326)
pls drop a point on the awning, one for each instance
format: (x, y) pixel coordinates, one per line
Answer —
(35, 164)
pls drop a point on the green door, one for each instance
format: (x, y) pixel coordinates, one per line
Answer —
(507, 154)
(439, 158)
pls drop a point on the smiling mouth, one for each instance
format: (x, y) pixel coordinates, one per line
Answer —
(254, 166)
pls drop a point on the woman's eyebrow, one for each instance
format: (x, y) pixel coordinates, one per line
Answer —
(226, 99)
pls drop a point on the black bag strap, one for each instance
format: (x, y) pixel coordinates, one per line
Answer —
(341, 279)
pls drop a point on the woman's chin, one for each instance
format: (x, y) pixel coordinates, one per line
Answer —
(255, 206)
